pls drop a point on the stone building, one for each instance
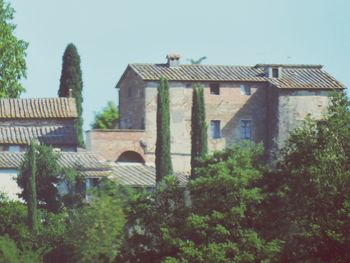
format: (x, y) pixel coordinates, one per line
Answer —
(262, 103)
(50, 121)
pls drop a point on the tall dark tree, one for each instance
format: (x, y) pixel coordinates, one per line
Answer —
(199, 136)
(12, 55)
(163, 155)
(71, 79)
(31, 188)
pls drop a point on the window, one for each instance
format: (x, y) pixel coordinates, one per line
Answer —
(246, 129)
(215, 129)
(91, 182)
(245, 89)
(214, 88)
(129, 92)
(14, 148)
(275, 73)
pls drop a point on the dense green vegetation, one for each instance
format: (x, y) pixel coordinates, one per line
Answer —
(71, 79)
(12, 55)
(107, 118)
(163, 158)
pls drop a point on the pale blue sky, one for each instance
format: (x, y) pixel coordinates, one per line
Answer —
(109, 34)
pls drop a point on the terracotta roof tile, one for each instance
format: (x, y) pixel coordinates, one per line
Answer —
(52, 135)
(138, 175)
(82, 161)
(38, 108)
(292, 76)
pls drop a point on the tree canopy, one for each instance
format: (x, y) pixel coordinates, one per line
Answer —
(12, 55)
(107, 118)
(163, 153)
(199, 135)
(314, 177)
(71, 79)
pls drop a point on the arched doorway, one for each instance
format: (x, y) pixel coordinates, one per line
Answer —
(130, 157)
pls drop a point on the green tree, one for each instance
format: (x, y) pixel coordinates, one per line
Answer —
(163, 153)
(48, 176)
(14, 221)
(71, 79)
(199, 136)
(12, 55)
(107, 118)
(314, 174)
(225, 210)
(96, 231)
(9, 253)
(154, 219)
(32, 202)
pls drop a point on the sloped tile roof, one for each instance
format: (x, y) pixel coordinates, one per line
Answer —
(82, 161)
(198, 72)
(305, 78)
(292, 76)
(52, 135)
(139, 175)
(38, 108)
(87, 163)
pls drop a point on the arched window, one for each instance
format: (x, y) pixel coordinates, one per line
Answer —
(130, 157)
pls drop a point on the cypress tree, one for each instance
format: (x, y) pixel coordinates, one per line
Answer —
(32, 196)
(163, 157)
(199, 135)
(71, 79)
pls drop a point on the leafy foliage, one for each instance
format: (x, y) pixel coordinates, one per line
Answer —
(71, 79)
(163, 154)
(199, 136)
(154, 217)
(12, 55)
(9, 253)
(49, 176)
(96, 230)
(106, 119)
(13, 221)
(225, 211)
(315, 176)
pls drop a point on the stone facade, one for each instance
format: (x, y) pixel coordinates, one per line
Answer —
(277, 99)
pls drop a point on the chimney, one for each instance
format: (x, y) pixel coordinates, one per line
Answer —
(173, 60)
(70, 93)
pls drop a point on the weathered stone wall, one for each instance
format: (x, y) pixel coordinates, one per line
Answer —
(110, 144)
(132, 102)
(229, 107)
(294, 106)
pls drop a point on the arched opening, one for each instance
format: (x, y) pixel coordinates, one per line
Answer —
(130, 157)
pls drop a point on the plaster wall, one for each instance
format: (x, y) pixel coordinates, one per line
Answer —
(294, 106)
(8, 183)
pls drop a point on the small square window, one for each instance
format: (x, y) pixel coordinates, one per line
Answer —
(214, 88)
(246, 129)
(215, 129)
(275, 73)
(246, 89)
